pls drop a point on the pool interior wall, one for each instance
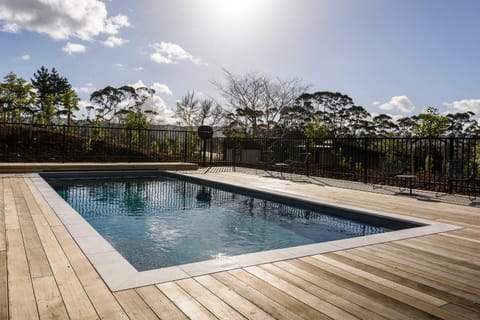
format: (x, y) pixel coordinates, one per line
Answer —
(160, 221)
(120, 275)
(337, 211)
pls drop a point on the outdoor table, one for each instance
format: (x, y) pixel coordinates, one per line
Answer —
(407, 177)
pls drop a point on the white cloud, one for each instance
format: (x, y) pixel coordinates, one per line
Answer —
(164, 113)
(138, 69)
(161, 88)
(113, 41)
(171, 53)
(72, 48)
(9, 27)
(464, 106)
(400, 103)
(118, 65)
(60, 19)
(25, 57)
(376, 103)
(87, 88)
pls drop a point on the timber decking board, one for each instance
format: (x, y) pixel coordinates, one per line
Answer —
(334, 289)
(311, 288)
(296, 303)
(390, 271)
(215, 305)
(160, 304)
(236, 301)
(44, 274)
(255, 296)
(134, 305)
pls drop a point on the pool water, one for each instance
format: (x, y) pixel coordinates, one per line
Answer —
(160, 222)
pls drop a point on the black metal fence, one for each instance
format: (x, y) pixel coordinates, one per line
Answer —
(442, 164)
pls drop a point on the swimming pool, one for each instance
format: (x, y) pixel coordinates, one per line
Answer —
(159, 219)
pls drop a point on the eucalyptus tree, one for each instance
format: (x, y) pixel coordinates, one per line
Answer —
(384, 125)
(106, 102)
(294, 119)
(459, 122)
(358, 121)
(331, 108)
(116, 103)
(405, 126)
(473, 129)
(17, 97)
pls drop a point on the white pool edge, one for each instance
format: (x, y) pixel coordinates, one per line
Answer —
(119, 274)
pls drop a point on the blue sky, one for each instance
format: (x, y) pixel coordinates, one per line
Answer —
(394, 57)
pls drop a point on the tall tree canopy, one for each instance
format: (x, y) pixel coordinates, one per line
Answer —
(114, 104)
(430, 123)
(50, 86)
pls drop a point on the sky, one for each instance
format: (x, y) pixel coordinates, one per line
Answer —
(390, 56)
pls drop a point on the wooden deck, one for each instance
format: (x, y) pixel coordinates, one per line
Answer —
(44, 274)
(23, 167)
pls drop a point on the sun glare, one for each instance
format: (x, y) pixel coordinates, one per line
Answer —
(236, 9)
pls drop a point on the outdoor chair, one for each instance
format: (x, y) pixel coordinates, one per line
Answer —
(462, 175)
(301, 164)
(267, 160)
(275, 158)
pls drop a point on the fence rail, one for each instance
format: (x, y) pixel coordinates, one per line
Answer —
(444, 164)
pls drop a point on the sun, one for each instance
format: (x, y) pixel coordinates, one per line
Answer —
(236, 9)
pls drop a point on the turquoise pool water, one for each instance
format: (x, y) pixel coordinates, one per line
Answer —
(160, 221)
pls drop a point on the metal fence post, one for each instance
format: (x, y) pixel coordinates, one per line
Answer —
(185, 145)
(130, 143)
(365, 160)
(234, 151)
(450, 164)
(63, 143)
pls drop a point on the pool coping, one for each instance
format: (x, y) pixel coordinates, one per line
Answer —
(119, 274)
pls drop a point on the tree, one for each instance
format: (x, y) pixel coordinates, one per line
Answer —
(459, 122)
(358, 121)
(316, 129)
(209, 113)
(69, 102)
(256, 102)
(107, 101)
(405, 126)
(47, 114)
(50, 86)
(116, 103)
(136, 120)
(331, 108)
(280, 94)
(293, 119)
(383, 125)
(430, 123)
(16, 98)
(188, 109)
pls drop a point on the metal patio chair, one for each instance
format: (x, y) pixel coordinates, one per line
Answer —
(462, 175)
